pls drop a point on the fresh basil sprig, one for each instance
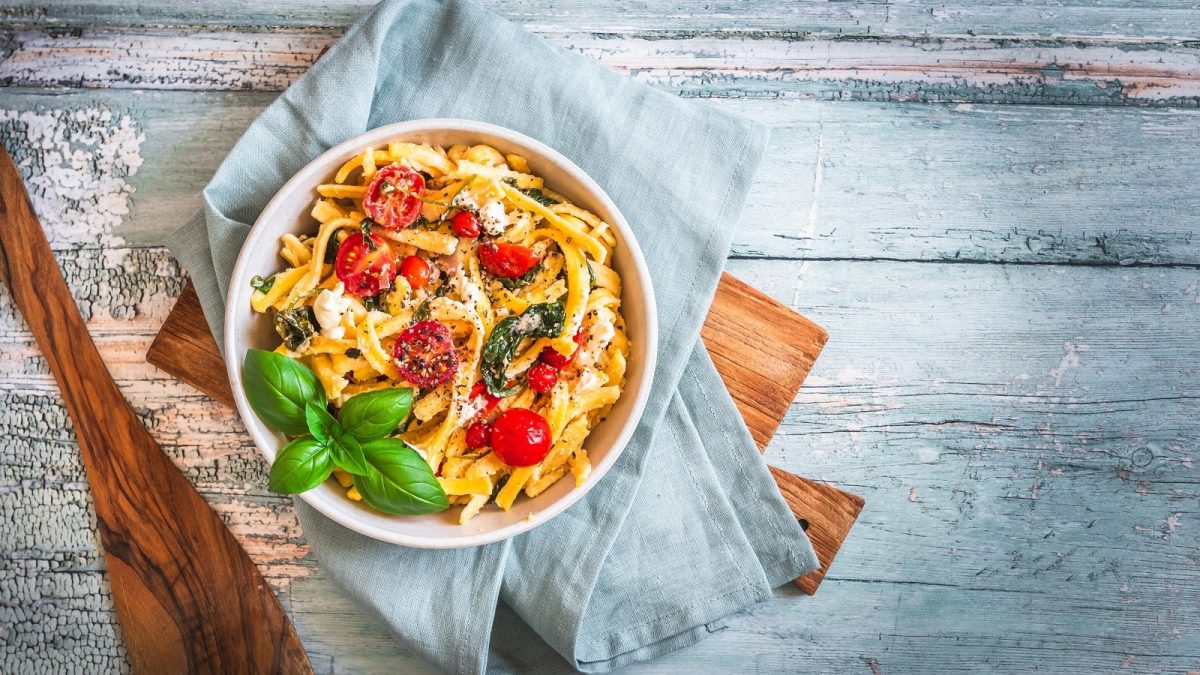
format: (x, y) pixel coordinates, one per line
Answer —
(402, 482)
(279, 388)
(390, 474)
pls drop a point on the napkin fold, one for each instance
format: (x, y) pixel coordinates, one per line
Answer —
(688, 526)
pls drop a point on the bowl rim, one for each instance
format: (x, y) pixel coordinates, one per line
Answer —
(335, 510)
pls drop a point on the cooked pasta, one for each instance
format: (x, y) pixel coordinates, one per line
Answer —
(458, 273)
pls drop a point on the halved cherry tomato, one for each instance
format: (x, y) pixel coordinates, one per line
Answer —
(393, 197)
(365, 264)
(479, 435)
(465, 224)
(424, 354)
(542, 377)
(507, 260)
(520, 437)
(415, 270)
(551, 356)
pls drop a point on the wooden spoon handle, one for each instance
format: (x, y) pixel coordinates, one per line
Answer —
(188, 597)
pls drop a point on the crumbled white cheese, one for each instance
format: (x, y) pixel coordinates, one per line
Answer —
(529, 322)
(465, 200)
(493, 218)
(601, 333)
(588, 380)
(329, 308)
(470, 407)
(466, 290)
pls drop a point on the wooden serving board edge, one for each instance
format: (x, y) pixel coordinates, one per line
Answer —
(740, 321)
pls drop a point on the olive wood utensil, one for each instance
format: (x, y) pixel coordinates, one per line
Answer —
(188, 597)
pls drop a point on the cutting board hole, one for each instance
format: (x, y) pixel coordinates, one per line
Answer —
(803, 524)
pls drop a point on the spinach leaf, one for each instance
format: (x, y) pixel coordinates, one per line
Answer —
(399, 481)
(262, 285)
(320, 423)
(279, 388)
(374, 303)
(365, 226)
(375, 414)
(540, 320)
(300, 466)
(295, 326)
(521, 281)
(331, 250)
(538, 196)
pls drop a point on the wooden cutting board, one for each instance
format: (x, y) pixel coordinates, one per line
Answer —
(742, 326)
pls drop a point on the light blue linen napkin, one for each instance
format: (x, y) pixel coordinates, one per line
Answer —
(688, 526)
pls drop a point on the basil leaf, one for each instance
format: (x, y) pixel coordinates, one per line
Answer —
(348, 453)
(300, 466)
(399, 482)
(541, 320)
(375, 414)
(279, 388)
(320, 423)
(262, 285)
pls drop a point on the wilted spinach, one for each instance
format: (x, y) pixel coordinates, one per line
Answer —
(540, 320)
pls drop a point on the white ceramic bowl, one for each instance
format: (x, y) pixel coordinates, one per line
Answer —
(289, 212)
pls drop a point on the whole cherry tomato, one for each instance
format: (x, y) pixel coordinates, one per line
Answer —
(424, 354)
(542, 378)
(415, 270)
(365, 264)
(393, 197)
(465, 224)
(551, 356)
(507, 260)
(479, 435)
(520, 437)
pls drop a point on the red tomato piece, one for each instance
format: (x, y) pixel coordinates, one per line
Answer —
(542, 377)
(465, 224)
(424, 354)
(481, 388)
(416, 271)
(393, 197)
(507, 260)
(365, 264)
(520, 437)
(550, 355)
(479, 435)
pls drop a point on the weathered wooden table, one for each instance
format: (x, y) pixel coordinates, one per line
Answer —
(992, 206)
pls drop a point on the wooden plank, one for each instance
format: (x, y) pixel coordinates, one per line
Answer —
(1008, 18)
(969, 70)
(1087, 195)
(737, 328)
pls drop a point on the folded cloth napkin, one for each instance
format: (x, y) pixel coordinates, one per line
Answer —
(688, 526)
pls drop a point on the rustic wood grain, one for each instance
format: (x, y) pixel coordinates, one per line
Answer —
(957, 69)
(188, 597)
(741, 325)
(1012, 288)
(1065, 19)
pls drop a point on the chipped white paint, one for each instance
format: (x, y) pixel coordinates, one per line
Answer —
(77, 164)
